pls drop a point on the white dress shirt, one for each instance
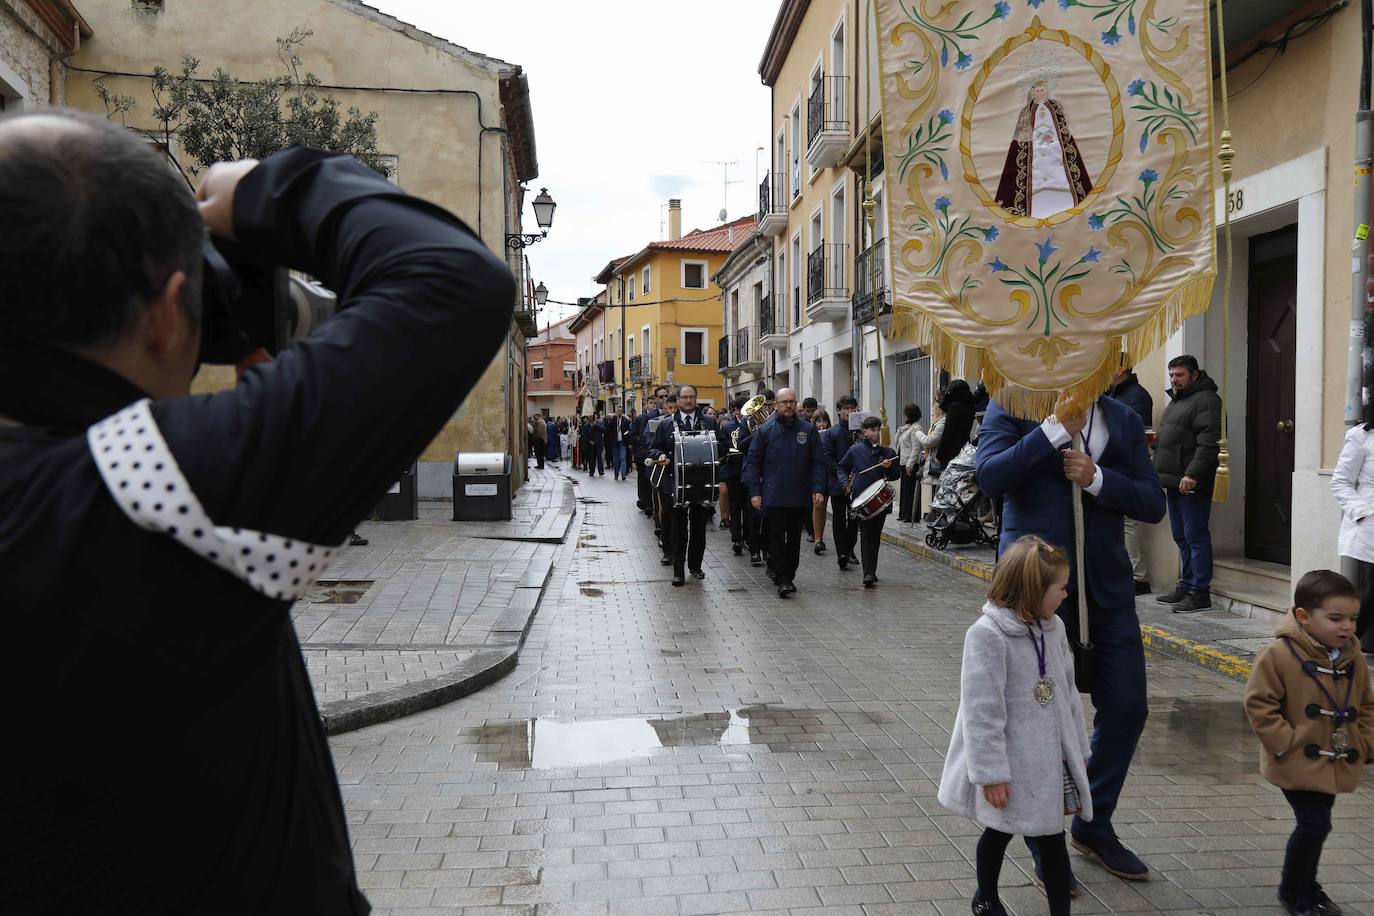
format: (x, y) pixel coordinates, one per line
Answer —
(1095, 438)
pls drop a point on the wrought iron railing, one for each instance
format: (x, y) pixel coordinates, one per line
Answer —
(772, 196)
(742, 337)
(825, 273)
(826, 109)
(766, 315)
(723, 348)
(640, 368)
(865, 292)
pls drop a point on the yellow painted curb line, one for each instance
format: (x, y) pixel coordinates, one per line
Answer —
(1159, 640)
(1200, 654)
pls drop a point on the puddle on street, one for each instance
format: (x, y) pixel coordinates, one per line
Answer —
(337, 591)
(1218, 725)
(593, 592)
(543, 743)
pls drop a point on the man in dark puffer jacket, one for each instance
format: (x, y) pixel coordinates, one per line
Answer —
(1186, 459)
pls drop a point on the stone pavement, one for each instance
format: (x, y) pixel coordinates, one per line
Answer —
(430, 609)
(716, 749)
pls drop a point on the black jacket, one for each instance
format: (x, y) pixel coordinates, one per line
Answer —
(785, 465)
(173, 759)
(958, 408)
(1189, 436)
(1133, 394)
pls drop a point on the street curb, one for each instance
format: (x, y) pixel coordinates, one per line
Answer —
(1155, 638)
(482, 669)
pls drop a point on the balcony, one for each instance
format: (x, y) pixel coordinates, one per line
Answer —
(772, 327)
(866, 293)
(641, 369)
(747, 357)
(526, 318)
(827, 294)
(827, 122)
(723, 353)
(772, 206)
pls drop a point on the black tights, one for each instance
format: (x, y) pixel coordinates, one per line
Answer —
(1054, 861)
(1312, 810)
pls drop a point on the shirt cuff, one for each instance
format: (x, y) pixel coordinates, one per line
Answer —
(1094, 488)
(1055, 432)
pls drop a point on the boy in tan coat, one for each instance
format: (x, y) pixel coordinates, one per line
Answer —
(1308, 700)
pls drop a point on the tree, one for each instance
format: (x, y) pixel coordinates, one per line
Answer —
(223, 118)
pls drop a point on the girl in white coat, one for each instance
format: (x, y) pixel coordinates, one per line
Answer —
(1017, 756)
(1352, 484)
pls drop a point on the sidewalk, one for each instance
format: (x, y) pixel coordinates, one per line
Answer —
(430, 610)
(1215, 640)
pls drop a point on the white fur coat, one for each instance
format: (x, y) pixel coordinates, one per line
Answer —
(1001, 734)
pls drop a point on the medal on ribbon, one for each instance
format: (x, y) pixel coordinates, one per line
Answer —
(1044, 688)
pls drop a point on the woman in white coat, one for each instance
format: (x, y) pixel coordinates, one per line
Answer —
(1353, 486)
(1017, 761)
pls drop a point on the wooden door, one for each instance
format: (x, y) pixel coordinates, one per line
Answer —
(1270, 393)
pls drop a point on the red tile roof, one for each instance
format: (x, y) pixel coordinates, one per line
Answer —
(722, 238)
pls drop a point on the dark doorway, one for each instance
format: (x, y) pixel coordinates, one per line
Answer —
(1270, 392)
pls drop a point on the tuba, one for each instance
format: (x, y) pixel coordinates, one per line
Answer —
(755, 414)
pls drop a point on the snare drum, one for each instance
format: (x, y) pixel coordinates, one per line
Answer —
(694, 467)
(876, 499)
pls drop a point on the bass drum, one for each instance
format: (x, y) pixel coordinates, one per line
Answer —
(694, 468)
(876, 499)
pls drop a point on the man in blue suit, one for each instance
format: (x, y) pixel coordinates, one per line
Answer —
(1028, 465)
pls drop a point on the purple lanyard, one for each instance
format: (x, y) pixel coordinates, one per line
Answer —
(1341, 712)
(1039, 645)
(1088, 432)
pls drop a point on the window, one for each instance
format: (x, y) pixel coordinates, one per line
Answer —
(538, 371)
(646, 281)
(644, 333)
(694, 274)
(630, 285)
(570, 370)
(734, 312)
(630, 348)
(694, 346)
(596, 351)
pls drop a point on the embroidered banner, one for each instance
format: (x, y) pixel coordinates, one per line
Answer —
(1049, 185)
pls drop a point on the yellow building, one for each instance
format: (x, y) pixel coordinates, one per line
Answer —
(455, 125)
(662, 316)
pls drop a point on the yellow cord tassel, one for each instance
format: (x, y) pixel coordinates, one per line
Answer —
(1221, 490)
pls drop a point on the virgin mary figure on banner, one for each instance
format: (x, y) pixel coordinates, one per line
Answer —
(1044, 173)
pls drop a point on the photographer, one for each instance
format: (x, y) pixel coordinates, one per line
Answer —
(168, 755)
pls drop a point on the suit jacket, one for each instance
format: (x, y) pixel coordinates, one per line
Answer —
(1017, 463)
(611, 423)
(663, 443)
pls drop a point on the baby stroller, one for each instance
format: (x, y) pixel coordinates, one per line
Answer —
(960, 513)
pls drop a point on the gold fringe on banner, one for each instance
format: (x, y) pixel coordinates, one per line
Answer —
(914, 324)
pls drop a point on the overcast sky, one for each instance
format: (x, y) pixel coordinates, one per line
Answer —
(633, 101)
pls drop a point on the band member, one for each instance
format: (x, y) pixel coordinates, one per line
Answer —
(785, 474)
(639, 444)
(865, 463)
(808, 409)
(821, 420)
(736, 501)
(618, 442)
(688, 521)
(835, 442)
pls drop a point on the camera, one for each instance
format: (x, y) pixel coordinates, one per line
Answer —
(248, 305)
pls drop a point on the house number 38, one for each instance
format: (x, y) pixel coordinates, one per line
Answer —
(1235, 201)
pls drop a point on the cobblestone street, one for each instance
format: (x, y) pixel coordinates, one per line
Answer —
(715, 749)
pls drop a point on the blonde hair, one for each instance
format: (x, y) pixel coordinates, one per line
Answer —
(1023, 576)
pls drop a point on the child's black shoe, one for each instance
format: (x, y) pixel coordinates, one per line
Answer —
(987, 907)
(1320, 905)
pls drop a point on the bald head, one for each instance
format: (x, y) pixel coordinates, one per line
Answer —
(787, 404)
(96, 223)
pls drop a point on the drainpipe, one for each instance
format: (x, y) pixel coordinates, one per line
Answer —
(1359, 353)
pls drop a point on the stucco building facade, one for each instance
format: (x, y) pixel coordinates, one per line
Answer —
(551, 357)
(456, 125)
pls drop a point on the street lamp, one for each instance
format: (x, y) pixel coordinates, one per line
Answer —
(541, 294)
(543, 215)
